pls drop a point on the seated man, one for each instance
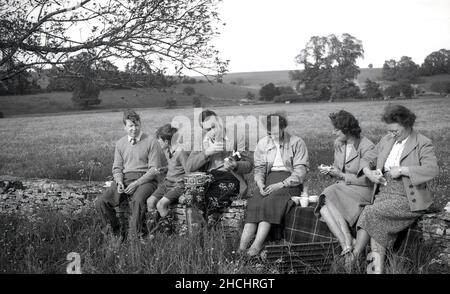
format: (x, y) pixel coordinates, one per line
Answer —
(173, 186)
(227, 172)
(137, 160)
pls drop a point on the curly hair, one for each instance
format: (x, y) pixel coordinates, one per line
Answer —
(396, 113)
(282, 121)
(166, 132)
(346, 122)
(132, 116)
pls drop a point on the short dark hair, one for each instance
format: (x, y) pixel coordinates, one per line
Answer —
(132, 116)
(282, 121)
(345, 122)
(166, 132)
(396, 113)
(205, 114)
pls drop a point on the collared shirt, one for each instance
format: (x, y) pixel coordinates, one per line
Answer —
(393, 158)
(138, 138)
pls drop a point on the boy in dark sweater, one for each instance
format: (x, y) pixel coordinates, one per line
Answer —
(138, 159)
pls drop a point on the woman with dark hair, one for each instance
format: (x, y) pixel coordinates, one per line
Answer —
(404, 163)
(341, 203)
(281, 162)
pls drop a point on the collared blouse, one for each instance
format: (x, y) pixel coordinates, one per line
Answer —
(294, 155)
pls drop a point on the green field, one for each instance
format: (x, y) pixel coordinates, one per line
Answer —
(55, 102)
(54, 146)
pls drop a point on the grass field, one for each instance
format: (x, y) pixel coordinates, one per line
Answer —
(54, 146)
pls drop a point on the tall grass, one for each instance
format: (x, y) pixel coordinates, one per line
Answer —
(40, 244)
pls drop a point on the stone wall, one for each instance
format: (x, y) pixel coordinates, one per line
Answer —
(18, 195)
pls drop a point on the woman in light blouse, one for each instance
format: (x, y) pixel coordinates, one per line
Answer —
(281, 162)
(405, 163)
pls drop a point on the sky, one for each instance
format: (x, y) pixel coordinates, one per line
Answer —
(266, 35)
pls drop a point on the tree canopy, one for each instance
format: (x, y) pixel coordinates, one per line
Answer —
(172, 34)
(329, 67)
(437, 62)
(403, 70)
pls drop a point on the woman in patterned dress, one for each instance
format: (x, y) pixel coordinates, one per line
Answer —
(405, 163)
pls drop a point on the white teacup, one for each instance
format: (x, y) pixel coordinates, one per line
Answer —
(304, 201)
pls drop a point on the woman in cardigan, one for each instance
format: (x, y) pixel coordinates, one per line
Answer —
(281, 162)
(341, 203)
(405, 163)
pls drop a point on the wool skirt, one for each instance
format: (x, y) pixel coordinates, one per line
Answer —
(389, 214)
(349, 200)
(271, 208)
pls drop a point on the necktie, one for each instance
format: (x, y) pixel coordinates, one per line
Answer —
(133, 141)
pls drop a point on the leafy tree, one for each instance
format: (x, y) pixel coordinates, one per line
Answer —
(406, 89)
(188, 91)
(17, 85)
(329, 67)
(86, 91)
(250, 96)
(372, 90)
(267, 92)
(285, 90)
(436, 63)
(38, 33)
(403, 70)
(392, 91)
(196, 102)
(170, 103)
(442, 87)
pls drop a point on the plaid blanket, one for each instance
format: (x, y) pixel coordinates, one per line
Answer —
(302, 226)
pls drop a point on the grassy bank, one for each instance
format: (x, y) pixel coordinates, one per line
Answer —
(41, 243)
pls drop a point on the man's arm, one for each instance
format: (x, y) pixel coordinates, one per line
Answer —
(196, 160)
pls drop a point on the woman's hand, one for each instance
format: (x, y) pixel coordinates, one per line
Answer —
(375, 176)
(336, 173)
(273, 188)
(261, 187)
(395, 172)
